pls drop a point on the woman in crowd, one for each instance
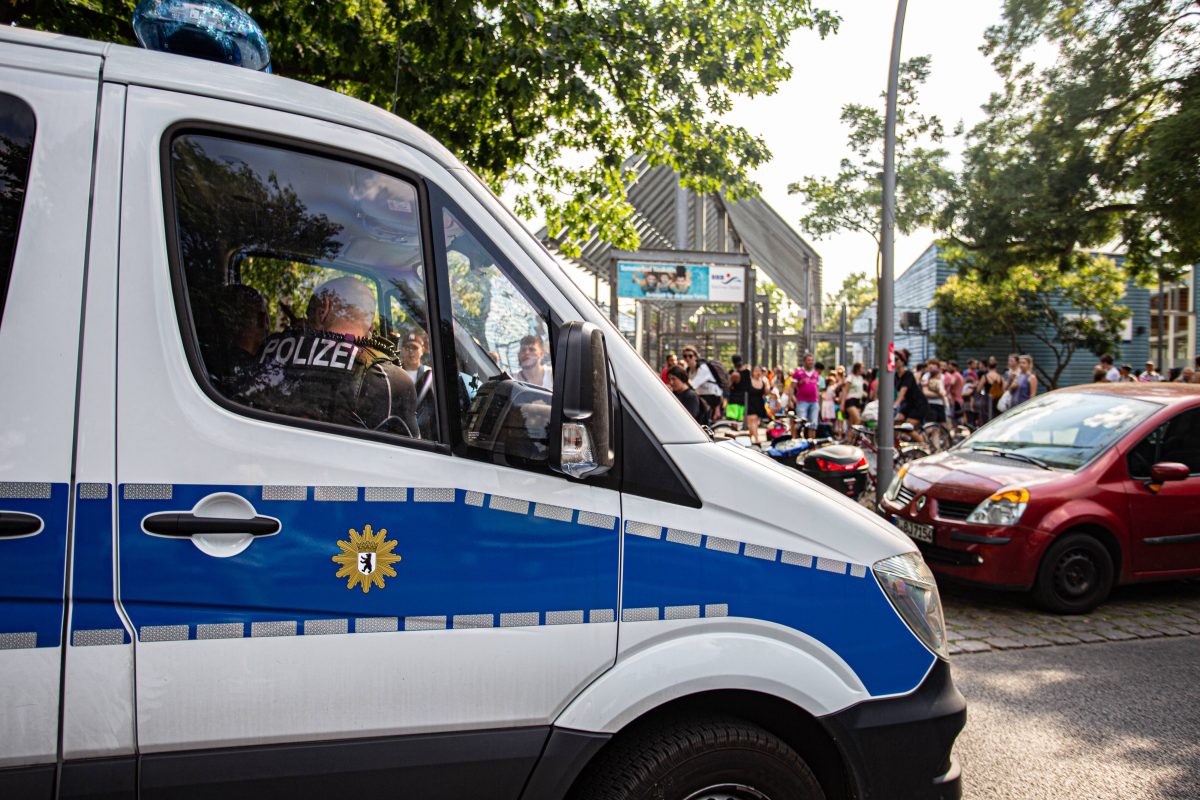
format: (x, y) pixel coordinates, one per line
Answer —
(756, 404)
(703, 380)
(829, 404)
(854, 395)
(1025, 385)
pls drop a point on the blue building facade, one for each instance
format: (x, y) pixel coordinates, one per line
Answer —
(916, 324)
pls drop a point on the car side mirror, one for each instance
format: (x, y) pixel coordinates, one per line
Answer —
(581, 415)
(1169, 471)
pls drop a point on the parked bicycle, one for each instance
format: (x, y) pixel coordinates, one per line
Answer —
(904, 448)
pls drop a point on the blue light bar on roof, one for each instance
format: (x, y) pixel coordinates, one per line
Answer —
(214, 30)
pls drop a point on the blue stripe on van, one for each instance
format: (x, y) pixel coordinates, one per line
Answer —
(466, 559)
(94, 618)
(32, 568)
(839, 604)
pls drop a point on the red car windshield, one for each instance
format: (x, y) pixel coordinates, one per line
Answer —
(1061, 429)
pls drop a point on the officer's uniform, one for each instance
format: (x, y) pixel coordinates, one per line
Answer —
(333, 377)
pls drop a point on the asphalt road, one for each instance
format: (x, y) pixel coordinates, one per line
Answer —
(1115, 720)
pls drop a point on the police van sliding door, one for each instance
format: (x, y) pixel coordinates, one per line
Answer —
(301, 555)
(47, 125)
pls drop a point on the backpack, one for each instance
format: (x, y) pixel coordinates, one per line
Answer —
(719, 373)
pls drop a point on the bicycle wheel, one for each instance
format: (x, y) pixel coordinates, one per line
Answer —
(937, 437)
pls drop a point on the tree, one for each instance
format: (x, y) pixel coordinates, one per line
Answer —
(550, 96)
(1068, 311)
(1098, 150)
(856, 293)
(853, 199)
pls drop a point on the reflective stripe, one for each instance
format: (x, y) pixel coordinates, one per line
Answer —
(326, 627)
(148, 491)
(18, 641)
(94, 638)
(683, 537)
(510, 504)
(385, 494)
(24, 491)
(285, 493)
(221, 630)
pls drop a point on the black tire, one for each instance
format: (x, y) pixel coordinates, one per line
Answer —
(723, 759)
(1075, 576)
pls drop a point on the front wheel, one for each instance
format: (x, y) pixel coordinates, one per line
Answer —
(700, 760)
(1076, 575)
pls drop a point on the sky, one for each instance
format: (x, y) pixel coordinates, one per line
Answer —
(801, 125)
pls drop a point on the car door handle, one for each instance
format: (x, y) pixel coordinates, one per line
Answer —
(182, 524)
(15, 523)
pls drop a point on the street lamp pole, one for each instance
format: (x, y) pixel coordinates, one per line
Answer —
(886, 319)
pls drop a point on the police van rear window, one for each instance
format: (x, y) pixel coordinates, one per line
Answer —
(17, 126)
(305, 283)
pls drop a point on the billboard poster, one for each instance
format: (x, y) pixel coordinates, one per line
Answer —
(695, 283)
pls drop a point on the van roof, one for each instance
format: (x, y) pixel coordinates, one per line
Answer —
(137, 67)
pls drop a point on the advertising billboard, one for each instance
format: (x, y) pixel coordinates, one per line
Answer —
(694, 283)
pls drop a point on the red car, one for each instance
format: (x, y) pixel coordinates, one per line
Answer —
(1066, 495)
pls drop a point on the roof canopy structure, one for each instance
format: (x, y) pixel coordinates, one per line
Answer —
(714, 225)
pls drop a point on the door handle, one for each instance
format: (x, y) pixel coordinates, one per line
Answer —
(183, 524)
(14, 524)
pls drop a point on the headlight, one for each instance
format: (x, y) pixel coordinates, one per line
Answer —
(909, 584)
(1002, 508)
(897, 481)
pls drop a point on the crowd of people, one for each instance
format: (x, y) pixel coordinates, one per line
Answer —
(1108, 370)
(830, 400)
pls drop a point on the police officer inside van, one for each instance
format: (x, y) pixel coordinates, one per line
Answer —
(333, 370)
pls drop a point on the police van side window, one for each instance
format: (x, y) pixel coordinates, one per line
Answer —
(502, 345)
(304, 278)
(17, 126)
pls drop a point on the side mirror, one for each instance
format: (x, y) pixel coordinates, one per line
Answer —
(581, 415)
(1169, 471)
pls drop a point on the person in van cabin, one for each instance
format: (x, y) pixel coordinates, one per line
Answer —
(241, 328)
(531, 356)
(413, 347)
(333, 370)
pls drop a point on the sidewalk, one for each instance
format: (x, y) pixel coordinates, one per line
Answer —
(980, 621)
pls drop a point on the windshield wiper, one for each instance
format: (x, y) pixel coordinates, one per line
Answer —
(1010, 454)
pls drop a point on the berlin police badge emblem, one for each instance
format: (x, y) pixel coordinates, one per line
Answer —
(366, 558)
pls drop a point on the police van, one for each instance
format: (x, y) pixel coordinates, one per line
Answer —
(319, 477)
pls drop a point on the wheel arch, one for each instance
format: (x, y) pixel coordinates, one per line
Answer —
(759, 672)
(803, 732)
(1099, 531)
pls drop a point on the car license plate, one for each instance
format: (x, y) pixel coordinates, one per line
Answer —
(916, 530)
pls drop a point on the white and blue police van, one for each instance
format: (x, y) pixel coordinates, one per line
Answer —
(517, 570)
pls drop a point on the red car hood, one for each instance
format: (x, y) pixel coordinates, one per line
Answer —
(972, 475)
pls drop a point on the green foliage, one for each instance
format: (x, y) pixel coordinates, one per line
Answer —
(1071, 310)
(548, 95)
(1097, 149)
(857, 292)
(853, 199)
(785, 313)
